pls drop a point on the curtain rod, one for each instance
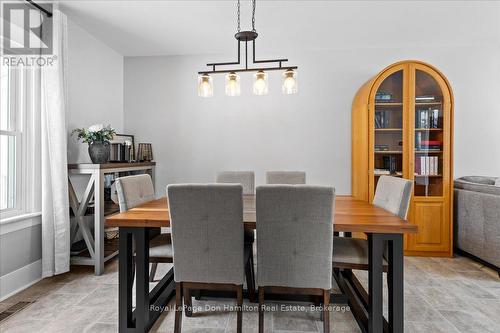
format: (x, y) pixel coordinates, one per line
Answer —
(40, 8)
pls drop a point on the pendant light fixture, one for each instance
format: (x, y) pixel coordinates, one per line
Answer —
(233, 87)
(205, 86)
(260, 84)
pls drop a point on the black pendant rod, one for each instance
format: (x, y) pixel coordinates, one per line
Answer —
(246, 69)
(40, 8)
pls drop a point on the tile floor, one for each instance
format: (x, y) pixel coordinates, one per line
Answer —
(441, 295)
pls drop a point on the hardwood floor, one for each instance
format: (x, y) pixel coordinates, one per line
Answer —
(441, 295)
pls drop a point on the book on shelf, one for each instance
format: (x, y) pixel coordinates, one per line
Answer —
(427, 118)
(382, 118)
(382, 172)
(427, 166)
(390, 163)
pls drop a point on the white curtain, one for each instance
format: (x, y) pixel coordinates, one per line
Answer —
(55, 210)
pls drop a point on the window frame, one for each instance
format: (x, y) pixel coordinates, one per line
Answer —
(25, 99)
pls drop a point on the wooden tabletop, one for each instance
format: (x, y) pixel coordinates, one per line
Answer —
(350, 216)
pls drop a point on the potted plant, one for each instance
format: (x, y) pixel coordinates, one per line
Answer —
(97, 136)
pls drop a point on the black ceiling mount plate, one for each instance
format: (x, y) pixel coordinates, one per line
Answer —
(245, 36)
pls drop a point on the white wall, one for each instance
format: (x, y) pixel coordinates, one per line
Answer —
(95, 84)
(194, 137)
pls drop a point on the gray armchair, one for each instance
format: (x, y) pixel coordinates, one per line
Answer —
(207, 238)
(286, 177)
(133, 191)
(477, 218)
(294, 242)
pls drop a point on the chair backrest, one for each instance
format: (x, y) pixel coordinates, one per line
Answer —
(245, 178)
(286, 177)
(207, 232)
(393, 194)
(295, 236)
(134, 190)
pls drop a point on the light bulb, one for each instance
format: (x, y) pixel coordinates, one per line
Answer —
(289, 82)
(205, 86)
(260, 85)
(233, 87)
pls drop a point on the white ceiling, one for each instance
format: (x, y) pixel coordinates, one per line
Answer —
(145, 28)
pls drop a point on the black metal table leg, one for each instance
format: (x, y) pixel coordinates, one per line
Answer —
(375, 291)
(149, 305)
(396, 283)
(142, 280)
(126, 280)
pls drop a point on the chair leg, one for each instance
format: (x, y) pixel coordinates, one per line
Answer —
(152, 273)
(326, 311)
(187, 302)
(239, 308)
(250, 277)
(178, 307)
(261, 310)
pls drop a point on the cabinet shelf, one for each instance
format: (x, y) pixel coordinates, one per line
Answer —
(388, 104)
(388, 129)
(427, 103)
(428, 129)
(388, 152)
(428, 151)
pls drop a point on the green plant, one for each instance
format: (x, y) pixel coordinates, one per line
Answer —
(95, 133)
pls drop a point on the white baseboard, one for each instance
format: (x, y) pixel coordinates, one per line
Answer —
(20, 279)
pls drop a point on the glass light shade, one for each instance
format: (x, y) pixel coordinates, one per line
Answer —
(205, 86)
(260, 84)
(290, 82)
(233, 86)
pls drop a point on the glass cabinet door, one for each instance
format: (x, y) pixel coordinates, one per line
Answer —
(429, 123)
(388, 123)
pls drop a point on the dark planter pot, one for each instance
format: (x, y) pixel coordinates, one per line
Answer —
(99, 152)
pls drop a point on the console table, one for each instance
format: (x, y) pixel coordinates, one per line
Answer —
(98, 251)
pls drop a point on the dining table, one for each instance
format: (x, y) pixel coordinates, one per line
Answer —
(381, 228)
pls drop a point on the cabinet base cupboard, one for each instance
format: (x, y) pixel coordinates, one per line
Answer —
(402, 126)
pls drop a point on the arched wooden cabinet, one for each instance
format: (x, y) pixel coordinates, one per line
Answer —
(402, 125)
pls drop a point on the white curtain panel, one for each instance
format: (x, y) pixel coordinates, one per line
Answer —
(55, 210)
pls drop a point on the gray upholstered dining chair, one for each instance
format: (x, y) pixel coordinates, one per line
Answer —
(294, 242)
(133, 191)
(392, 194)
(285, 177)
(245, 178)
(207, 238)
(247, 181)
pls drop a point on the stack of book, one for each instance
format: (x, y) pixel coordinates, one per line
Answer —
(434, 145)
(427, 166)
(383, 96)
(427, 118)
(380, 147)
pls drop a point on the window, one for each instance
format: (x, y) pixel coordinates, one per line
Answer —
(18, 113)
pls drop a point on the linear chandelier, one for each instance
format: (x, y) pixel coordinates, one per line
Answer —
(260, 84)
